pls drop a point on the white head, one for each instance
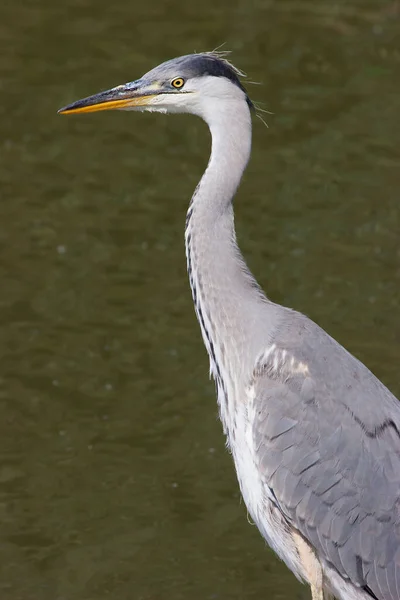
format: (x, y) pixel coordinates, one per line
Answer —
(196, 83)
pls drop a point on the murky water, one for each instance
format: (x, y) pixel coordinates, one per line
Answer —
(114, 480)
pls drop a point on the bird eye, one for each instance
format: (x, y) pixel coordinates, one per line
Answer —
(177, 83)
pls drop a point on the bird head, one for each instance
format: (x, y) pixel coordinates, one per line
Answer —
(189, 84)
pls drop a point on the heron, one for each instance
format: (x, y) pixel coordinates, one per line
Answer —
(314, 435)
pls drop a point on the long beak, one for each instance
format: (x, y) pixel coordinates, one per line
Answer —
(127, 96)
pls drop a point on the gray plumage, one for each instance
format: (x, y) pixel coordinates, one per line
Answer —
(313, 433)
(328, 446)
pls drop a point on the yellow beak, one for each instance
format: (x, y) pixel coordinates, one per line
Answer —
(122, 97)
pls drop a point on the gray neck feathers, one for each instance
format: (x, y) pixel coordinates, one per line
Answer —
(224, 291)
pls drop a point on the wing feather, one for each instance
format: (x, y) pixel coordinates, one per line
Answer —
(328, 445)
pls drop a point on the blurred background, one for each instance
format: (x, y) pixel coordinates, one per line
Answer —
(114, 479)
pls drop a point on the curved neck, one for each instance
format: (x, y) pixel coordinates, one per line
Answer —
(230, 127)
(223, 289)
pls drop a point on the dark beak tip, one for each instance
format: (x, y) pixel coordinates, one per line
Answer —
(66, 109)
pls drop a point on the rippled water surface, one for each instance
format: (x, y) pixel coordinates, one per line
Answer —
(114, 480)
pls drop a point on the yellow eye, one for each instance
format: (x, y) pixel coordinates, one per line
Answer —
(177, 83)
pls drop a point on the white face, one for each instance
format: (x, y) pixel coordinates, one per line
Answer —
(198, 96)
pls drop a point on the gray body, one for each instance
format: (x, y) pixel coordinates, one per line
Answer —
(313, 433)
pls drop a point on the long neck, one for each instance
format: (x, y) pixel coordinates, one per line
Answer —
(224, 291)
(230, 151)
